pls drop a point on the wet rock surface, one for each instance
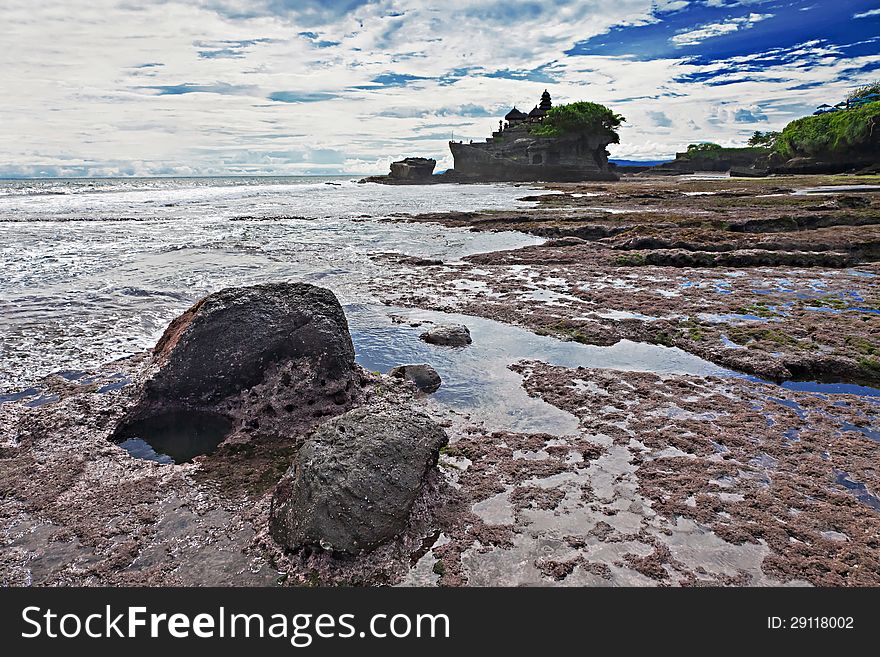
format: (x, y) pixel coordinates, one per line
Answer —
(451, 335)
(744, 273)
(657, 479)
(424, 377)
(669, 480)
(228, 340)
(354, 481)
(269, 361)
(78, 509)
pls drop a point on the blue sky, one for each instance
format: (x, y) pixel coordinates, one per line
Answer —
(216, 87)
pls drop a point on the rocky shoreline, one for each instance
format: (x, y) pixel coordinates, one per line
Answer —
(668, 479)
(744, 273)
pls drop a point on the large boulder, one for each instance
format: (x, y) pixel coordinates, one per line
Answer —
(227, 341)
(413, 168)
(354, 481)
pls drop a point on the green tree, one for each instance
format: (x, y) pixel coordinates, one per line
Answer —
(577, 118)
(763, 139)
(702, 148)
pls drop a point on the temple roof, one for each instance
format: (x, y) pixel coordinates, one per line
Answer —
(537, 112)
(546, 103)
(515, 114)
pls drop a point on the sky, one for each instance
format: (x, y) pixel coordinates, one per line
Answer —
(293, 87)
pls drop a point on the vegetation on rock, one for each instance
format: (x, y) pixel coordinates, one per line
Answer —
(580, 117)
(702, 148)
(710, 151)
(763, 139)
(831, 134)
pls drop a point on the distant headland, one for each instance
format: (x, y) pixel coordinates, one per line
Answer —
(566, 143)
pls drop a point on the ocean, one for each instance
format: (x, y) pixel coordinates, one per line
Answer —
(94, 269)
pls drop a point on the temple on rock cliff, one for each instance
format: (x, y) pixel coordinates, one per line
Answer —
(513, 153)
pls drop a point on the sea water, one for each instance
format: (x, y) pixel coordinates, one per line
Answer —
(93, 270)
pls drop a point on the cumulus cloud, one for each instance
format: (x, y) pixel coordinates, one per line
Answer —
(712, 30)
(277, 86)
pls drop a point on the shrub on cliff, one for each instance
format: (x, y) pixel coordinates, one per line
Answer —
(702, 149)
(579, 118)
(832, 134)
(710, 151)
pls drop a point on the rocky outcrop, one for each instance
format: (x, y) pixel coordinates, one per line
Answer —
(227, 341)
(737, 258)
(424, 377)
(724, 159)
(522, 157)
(451, 335)
(266, 362)
(354, 481)
(413, 168)
(801, 166)
(749, 172)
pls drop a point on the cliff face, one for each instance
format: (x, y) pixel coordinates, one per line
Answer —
(516, 155)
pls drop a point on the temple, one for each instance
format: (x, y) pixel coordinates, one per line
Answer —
(513, 153)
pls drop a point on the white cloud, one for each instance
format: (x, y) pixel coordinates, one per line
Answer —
(672, 5)
(178, 87)
(711, 30)
(867, 14)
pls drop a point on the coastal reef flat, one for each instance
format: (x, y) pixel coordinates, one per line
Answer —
(773, 277)
(679, 386)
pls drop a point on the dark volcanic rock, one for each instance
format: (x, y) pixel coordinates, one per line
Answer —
(416, 261)
(564, 241)
(749, 172)
(227, 341)
(452, 335)
(354, 481)
(413, 168)
(423, 376)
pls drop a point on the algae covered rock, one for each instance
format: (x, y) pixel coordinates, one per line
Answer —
(354, 481)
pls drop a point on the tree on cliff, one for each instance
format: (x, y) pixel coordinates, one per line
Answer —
(703, 149)
(579, 118)
(765, 139)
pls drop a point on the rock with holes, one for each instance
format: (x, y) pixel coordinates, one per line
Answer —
(229, 340)
(354, 481)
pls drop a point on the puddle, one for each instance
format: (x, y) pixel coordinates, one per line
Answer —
(867, 431)
(174, 437)
(42, 401)
(732, 318)
(829, 388)
(835, 189)
(476, 378)
(858, 489)
(793, 405)
(118, 384)
(730, 344)
(625, 314)
(18, 396)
